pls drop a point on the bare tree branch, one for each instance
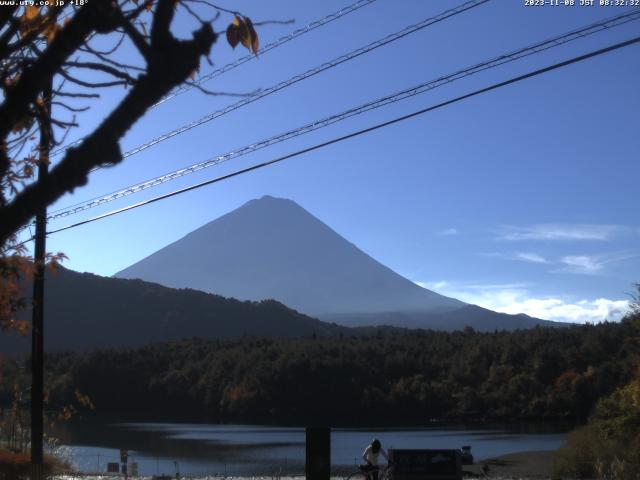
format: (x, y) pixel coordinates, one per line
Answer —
(105, 53)
(32, 81)
(6, 17)
(86, 84)
(170, 64)
(218, 94)
(104, 58)
(60, 93)
(137, 38)
(69, 108)
(103, 68)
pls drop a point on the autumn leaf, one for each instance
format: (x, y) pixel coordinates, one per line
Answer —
(252, 42)
(51, 30)
(23, 124)
(233, 32)
(67, 413)
(12, 81)
(246, 34)
(31, 13)
(241, 31)
(84, 400)
(22, 327)
(53, 261)
(30, 21)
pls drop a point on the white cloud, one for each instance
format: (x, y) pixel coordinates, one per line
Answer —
(562, 232)
(520, 256)
(592, 264)
(577, 264)
(582, 264)
(449, 231)
(515, 298)
(530, 257)
(583, 311)
(433, 286)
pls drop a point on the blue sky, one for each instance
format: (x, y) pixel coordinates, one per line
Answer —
(520, 200)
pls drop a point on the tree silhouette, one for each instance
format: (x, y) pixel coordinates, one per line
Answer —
(62, 47)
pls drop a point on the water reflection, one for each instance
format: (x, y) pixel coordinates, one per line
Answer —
(201, 449)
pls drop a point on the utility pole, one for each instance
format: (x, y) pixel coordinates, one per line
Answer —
(37, 324)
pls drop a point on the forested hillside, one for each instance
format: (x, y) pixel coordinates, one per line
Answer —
(395, 377)
(608, 446)
(86, 311)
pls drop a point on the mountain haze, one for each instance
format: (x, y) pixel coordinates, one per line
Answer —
(271, 248)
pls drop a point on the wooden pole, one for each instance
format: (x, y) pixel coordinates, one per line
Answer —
(37, 326)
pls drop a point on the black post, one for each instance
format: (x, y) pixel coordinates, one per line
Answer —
(318, 458)
(37, 325)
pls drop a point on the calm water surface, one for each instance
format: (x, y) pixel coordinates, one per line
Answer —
(201, 449)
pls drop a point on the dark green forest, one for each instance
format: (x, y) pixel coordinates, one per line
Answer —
(401, 377)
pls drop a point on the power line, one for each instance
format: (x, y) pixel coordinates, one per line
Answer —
(312, 72)
(318, 124)
(236, 63)
(378, 126)
(308, 74)
(295, 34)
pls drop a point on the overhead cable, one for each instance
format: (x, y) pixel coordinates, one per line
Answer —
(308, 74)
(378, 126)
(236, 63)
(295, 34)
(372, 105)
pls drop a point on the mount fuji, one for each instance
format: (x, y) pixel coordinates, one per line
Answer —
(272, 248)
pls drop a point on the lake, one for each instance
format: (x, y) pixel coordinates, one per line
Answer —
(208, 449)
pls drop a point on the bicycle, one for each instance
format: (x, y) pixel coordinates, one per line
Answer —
(384, 473)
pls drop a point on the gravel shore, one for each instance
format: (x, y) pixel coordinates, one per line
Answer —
(533, 465)
(523, 465)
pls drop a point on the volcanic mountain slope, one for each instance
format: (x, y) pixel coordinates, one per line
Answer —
(271, 248)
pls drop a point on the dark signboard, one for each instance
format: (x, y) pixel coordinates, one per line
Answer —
(426, 464)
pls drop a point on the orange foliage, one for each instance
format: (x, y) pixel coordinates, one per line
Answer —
(17, 465)
(564, 380)
(16, 271)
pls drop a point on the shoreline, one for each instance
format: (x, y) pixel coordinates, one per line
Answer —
(536, 464)
(527, 465)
